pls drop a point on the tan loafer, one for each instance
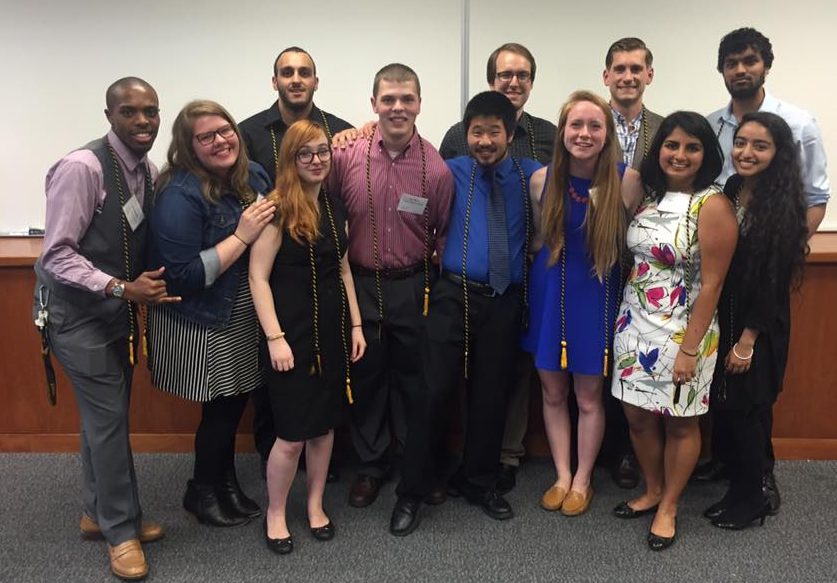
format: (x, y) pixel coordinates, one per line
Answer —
(149, 531)
(576, 503)
(127, 561)
(553, 498)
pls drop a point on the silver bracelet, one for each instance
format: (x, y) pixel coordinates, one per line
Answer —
(738, 356)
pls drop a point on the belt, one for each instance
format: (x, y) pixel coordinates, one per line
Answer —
(477, 287)
(389, 272)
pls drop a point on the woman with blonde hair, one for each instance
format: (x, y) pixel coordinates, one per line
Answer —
(581, 204)
(205, 348)
(305, 299)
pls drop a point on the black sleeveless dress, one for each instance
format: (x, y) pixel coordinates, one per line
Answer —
(307, 403)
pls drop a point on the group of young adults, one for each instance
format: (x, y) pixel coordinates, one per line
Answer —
(368, 282)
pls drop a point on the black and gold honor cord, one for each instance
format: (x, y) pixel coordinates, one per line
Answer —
(527, 209)
(126, 255)
(316, 365)
(376, 251)
(606, 322)
(687, 280)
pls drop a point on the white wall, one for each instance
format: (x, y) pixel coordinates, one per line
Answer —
(59, 56)
(570, 39)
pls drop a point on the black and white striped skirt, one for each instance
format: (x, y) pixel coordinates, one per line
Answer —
(200, 363)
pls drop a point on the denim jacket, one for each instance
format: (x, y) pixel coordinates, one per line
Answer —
(184, 229)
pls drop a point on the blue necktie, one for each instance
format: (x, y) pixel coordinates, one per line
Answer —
(498, 241)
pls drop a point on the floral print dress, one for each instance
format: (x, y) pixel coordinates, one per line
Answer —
(661, 288)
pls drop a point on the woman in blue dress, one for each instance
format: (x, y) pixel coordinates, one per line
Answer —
(581, 204)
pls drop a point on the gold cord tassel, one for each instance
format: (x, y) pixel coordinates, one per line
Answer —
(131, 350)
(349, 390)
(145, 343)
(426, 301)
(466, 364)
(319, 366)
(605, 369)
(563, 355)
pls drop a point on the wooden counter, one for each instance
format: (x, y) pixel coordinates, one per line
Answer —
(804, 416)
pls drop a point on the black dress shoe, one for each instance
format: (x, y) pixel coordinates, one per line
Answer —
(364, 491)
(405, 517)
(280, 546)
(231, 495)
(624, 510)
(492, 503)
(770, 489)
(710, 471)
(203, 501)
(625, 473)
(324, 533)
(660, 543)
(507, 479)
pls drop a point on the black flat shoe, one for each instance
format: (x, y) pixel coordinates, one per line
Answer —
(660, 543)
(324, 533)
(280, 546)
(624, 510)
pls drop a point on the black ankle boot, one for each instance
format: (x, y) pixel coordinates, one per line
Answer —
(230, 494)
(202, 501)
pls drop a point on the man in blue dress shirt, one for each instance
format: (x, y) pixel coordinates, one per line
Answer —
(475, 316)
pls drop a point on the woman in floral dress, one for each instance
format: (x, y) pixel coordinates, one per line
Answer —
(682, 239)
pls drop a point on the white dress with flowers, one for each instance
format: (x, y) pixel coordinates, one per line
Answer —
(664, 280)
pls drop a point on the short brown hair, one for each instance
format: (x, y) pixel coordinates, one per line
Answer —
(517, 49)
(397, 73)
(626, 45)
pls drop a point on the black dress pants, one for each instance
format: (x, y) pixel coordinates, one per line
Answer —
(494, 331)
(745, 451)
(389, 374)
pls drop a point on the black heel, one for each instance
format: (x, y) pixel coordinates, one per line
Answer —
(735, 519)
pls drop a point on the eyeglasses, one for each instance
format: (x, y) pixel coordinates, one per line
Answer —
(207, 138)
(307, 156)
(522, 76)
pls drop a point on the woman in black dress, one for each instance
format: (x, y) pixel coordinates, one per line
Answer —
(754, 310)
(305, 300)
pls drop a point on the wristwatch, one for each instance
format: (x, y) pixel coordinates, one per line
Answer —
(118, 290)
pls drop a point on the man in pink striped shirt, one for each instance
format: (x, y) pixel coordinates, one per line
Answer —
(398, 192)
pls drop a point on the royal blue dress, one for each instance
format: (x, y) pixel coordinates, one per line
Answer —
(588, 324)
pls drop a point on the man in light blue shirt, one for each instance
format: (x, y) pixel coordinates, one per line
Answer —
(745, 57)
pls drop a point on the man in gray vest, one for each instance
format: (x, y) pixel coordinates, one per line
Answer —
(628, 70)
(90, 281)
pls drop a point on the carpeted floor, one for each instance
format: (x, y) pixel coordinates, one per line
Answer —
(39, 542)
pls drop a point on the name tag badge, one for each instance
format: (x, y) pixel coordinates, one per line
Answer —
(674, 202)
(133, 213)
(410, 203)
